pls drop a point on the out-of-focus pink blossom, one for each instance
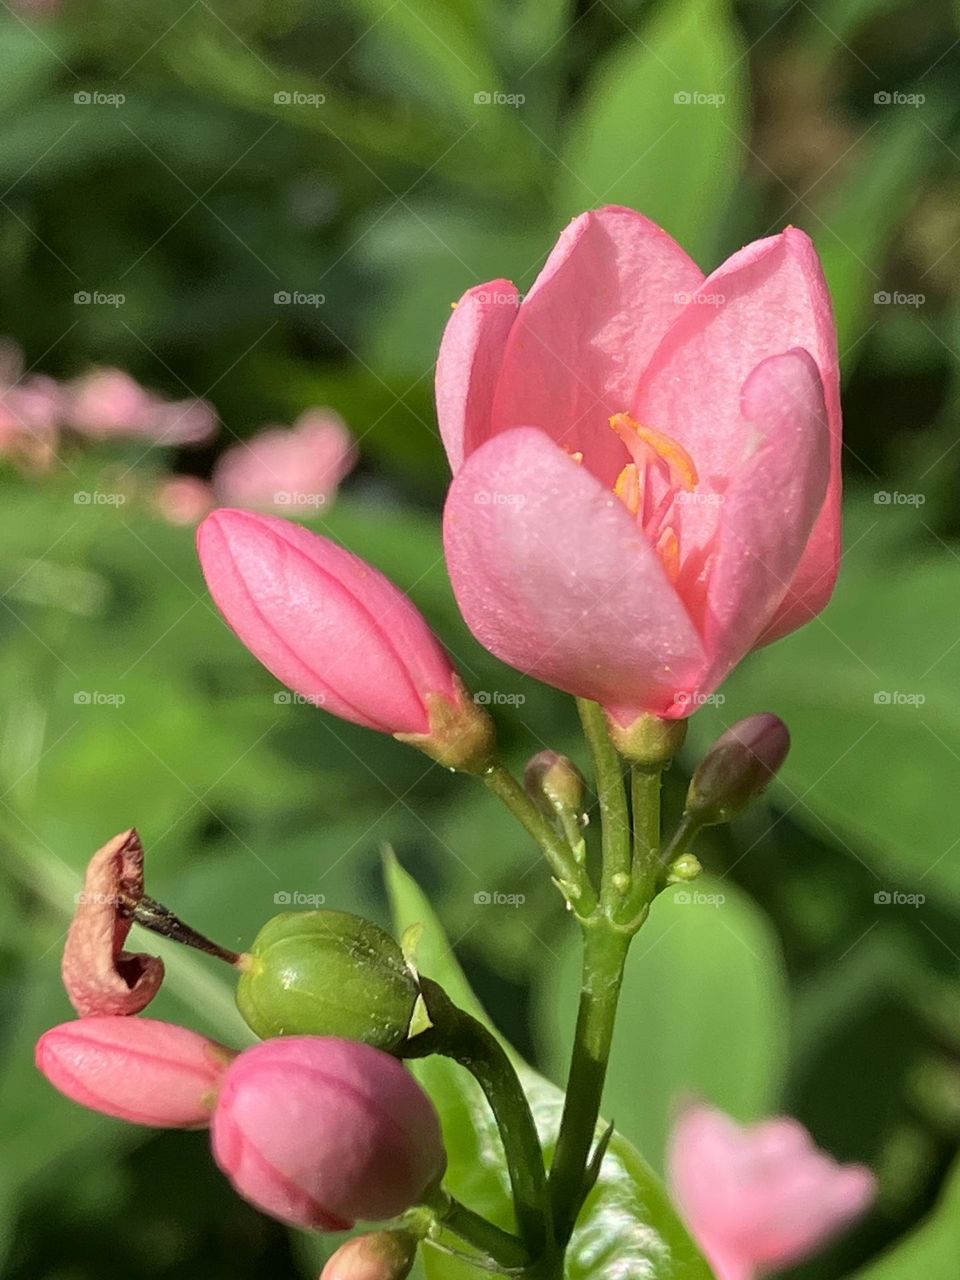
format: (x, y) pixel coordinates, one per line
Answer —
(646, 462)
(283, 470)
(184, 500)
(109, 402)
(382, 1255)
(30, 408)
(759, 1198)
(100, 977)
(320, 1132)
(137, 1069)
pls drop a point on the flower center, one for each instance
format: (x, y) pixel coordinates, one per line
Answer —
(648, 486)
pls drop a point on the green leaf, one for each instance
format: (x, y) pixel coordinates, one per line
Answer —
(628, 1225)
(930, 1251)
(705, 961)
(661, 125)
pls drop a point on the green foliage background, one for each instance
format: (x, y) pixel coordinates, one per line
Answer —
(200, 198)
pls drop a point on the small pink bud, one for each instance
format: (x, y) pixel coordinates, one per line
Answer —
(319, 1132)
(382, 1255)
(335, 630)
(287, 468)
(183, 500)
(759, 1198)
(137, 1069)
(100, 977)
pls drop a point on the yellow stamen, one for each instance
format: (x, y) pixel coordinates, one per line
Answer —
(627, 487)
(682, 470)
(668, 549)
(577, 457)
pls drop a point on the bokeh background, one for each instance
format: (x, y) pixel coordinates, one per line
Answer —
(188, 166)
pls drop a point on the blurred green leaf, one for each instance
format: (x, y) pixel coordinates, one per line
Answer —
(931, 1251)
(643, 137)
(627, 1224)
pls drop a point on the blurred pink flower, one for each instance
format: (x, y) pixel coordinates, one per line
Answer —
(100, 977)
(30, 408)
(320, 1132)
(646, 462)
(281, 469)
(759, 1198)
(184, 500)
(137, 1069)
(109, 402)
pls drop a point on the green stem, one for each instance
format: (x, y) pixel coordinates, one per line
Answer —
(563, 862)
(604, 953)
(458, 1035)
(645, 790)
(484, 1235)
(615, 878)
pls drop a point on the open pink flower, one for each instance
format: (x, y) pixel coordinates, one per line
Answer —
(137, 1069)
(760, 1198)
(646, 462)
(284, 469)
(100, 977)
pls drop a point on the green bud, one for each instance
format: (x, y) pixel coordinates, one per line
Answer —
(328, 973)
(461, 734)
(649, 742)
(737, 769)
(554, 783)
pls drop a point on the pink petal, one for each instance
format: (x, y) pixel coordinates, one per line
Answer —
(767, 516)
(469, 363)
(766, 298)
(608, 292)
(555, 578)
(100, 977)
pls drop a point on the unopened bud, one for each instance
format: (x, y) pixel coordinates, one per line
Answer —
(382, 1255)
(554, 783)
(737, 768)
(328, 973)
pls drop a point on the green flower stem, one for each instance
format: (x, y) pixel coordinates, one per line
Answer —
(604, 953)
(489, 1239)
(646, 867)
(458, 1035)
(566, 868)
(615, 819)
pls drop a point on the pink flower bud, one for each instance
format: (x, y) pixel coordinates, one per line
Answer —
(320, 1132)
(100, 977)
(108, 402)
(759, 1198)
(137, 1069)
(382, 1255)
(183, 500)
(335, 630)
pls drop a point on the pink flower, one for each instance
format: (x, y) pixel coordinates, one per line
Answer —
(382, 1255)
(30, 407)
(287, 469)
(759, 1198)
(646, 462)
(184, 500)
(334, 629)
(136, 1069)
(100, 977)
(108, 402)
(320, 1132)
